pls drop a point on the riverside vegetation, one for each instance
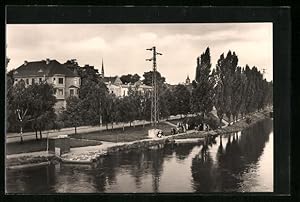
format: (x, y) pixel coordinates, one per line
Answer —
(231, 89)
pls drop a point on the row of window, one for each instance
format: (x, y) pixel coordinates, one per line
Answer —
(60, 80)
(60, 91)
(32, 80)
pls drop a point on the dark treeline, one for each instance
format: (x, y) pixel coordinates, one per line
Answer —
(230, 89)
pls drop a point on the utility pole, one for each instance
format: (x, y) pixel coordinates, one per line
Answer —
(154, 95)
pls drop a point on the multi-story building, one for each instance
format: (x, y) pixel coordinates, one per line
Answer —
(65, 82)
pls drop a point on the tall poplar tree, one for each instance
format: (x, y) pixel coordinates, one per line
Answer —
(202, 93)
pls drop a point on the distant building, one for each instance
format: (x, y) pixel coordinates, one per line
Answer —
(187, 84)
(116, 86)
(66, 82)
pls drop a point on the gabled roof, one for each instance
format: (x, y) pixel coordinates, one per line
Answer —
(41, 68)
(111, 79)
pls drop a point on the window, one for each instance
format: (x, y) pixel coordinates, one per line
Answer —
(27, 81)
(77, 91)
(71, 92)
(61, 80)
(32, 81)
(40, 80)
(60, 92)
(55, 91)
(75, 81)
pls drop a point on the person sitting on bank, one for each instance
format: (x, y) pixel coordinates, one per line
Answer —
(160, 134)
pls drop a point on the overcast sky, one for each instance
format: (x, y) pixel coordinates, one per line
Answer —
(123, 46)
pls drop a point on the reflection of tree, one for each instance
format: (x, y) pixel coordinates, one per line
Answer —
(232, 162)
(229, 164)
(253, 140)
(137, 162)
(106, 170)
(240, 153)
(203, 171)
(183, 150)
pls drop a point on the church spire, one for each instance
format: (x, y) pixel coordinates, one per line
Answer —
(187, 81)
(102, 69)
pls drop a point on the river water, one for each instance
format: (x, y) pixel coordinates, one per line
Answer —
(239, 162)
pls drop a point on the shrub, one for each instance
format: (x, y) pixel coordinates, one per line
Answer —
(248, 120)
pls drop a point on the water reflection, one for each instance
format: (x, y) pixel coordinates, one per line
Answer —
(234, 162)
(240, 156)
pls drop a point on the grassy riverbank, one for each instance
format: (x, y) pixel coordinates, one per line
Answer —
(235, 127)
(41, 145)
(128, 135)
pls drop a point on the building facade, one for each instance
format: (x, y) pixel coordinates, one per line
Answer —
(65, 82)
(116, 86)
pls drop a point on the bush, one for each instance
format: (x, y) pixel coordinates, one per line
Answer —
(58, 125)
(194, 121)
(213, 123)
(248, 120)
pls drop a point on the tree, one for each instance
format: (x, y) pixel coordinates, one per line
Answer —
(230, 66)
(203, 66)
(72, 114)
(170, 101)
(163, 108)
(10, 114)
(146, 106)
(93, 95)
(181, 100)
(42, 107)
(109, 110)
(135, 99)
(238, 86)
(130, 78)
(225, 71)
(219, 101)
(202, 93)
(126, 78)
(86, 72)
(20, 101)
(250, 99)
(135, 78)
(122, 109)
(148, 78)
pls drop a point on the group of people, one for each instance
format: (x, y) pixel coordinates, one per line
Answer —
(180, 128)
(202, 127)
(183, 127)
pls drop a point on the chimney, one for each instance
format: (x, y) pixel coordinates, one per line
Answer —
(25, 62)
(47, 61)
(198, 60)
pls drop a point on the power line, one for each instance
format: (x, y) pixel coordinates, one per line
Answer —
(154, 94)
